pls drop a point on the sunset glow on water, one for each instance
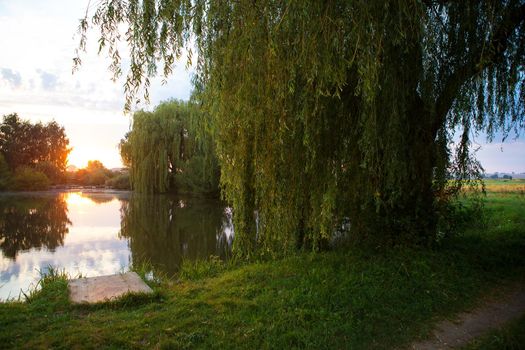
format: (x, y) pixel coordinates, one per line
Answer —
(83, 233)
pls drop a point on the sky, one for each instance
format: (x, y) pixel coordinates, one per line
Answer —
(37, 41)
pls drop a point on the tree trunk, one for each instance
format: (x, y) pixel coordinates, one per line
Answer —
(399, 208)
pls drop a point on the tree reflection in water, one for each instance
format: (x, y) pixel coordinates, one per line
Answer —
(32, 222)
(163, 230)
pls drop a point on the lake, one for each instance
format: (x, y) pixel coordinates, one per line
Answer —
(95, 234)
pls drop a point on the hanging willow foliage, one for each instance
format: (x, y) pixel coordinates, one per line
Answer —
(324, 110)
(169, 151)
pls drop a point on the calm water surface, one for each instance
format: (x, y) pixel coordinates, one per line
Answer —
(96, 234)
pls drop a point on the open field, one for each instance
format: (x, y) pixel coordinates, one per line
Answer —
(505, 186)
(352, 298)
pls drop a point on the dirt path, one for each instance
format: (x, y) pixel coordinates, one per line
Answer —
(470, 325)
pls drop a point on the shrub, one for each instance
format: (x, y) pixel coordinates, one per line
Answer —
(28, 179)
(120, 182)
(96, 177)
(5, 174)
(52, 171)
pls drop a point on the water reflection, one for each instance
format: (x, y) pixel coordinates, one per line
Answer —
(163, 230)
(97, 234)
(35, 222)
(69, 231)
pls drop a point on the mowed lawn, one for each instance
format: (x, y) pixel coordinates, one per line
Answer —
(348, 298)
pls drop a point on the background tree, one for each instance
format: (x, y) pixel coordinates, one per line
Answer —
(44, 148)
(330, 109)
(94, 174)
(5, 173)
(125, 150)
(168, 151)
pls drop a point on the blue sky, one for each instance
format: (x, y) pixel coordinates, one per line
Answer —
(498, 156)
(38, 43)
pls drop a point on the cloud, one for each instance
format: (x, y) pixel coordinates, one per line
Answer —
(49, 81)
(48, 90)
(12, 77)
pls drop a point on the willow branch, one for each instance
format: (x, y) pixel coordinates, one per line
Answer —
(479, 61)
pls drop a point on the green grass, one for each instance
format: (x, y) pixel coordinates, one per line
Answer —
(356, 298)
(50, 292)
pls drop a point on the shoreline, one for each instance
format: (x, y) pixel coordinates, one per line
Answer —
(68, 190)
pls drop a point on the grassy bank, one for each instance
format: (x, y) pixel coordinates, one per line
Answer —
(341, 299)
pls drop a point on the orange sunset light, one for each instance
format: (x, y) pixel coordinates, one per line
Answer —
(80, 156)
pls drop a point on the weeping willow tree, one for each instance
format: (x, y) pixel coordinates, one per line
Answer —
(169, 151)
(324, 110)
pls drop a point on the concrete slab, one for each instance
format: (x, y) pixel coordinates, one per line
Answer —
(105, 288)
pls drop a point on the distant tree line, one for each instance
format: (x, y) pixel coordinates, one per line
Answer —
(496, 176)
(96, 174)
(32, 156)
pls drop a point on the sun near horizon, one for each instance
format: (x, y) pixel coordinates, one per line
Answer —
(79, 157)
